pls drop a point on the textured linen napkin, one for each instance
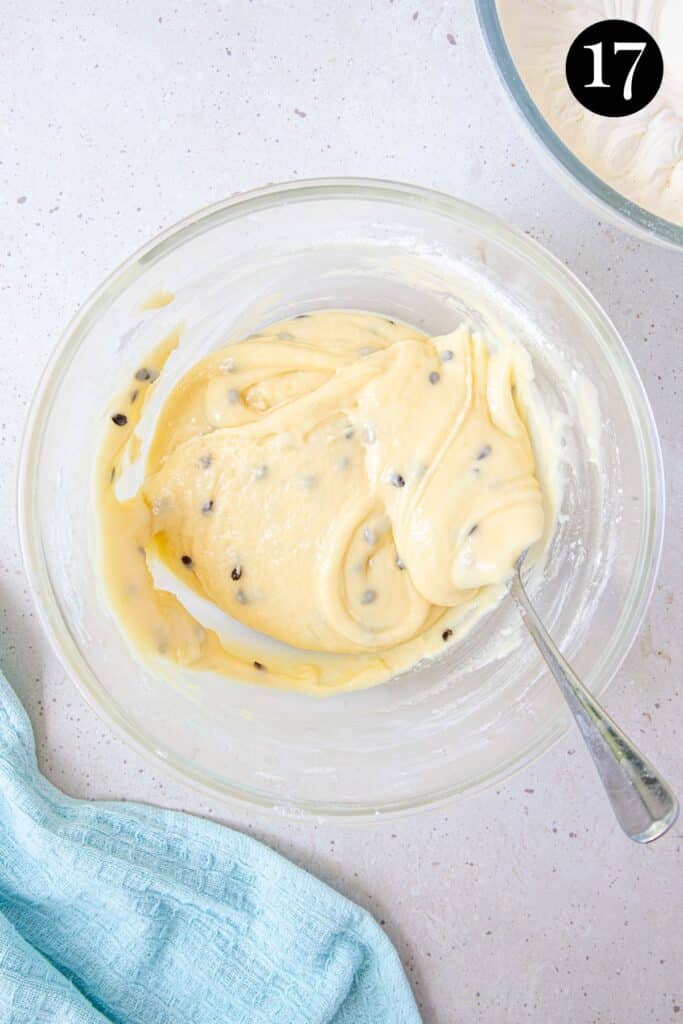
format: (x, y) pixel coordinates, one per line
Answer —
(131, 914)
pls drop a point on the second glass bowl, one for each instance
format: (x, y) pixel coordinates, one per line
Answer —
(573, 174)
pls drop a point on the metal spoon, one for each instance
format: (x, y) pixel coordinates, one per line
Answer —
(642, 801)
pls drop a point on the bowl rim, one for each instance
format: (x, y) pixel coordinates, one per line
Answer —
(621, 363)
(575, 174)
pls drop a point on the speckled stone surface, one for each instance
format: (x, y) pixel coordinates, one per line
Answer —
(524, 903)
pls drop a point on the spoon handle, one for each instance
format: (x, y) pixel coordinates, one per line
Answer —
(642, 801)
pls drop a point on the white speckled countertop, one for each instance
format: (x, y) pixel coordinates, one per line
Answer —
(524, 903)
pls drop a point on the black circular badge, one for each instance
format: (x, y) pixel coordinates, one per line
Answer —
(614, 68)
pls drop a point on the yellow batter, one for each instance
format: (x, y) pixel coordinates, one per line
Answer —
(339, 483)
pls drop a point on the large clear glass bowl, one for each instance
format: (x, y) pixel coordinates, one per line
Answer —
(458, 723)
(574, 175)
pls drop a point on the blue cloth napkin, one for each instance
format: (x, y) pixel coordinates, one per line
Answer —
(125, 913)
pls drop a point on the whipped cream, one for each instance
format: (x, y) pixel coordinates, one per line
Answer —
(640, 155)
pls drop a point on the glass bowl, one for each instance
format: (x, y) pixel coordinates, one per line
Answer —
(487, 707)
(574, 175)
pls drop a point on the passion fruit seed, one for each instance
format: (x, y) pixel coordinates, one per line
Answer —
(368, 596)
(396, 480)
(207, 507)
(484, 452)
(260, 666)
(400, 564)
(446, 635)
(241, 597)
(205, 460)
(434, 377)
(236, 573)
(119, 419)
(143, 374)
(446, 355)
(473, 529)
(133, 395)
(186, 560)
